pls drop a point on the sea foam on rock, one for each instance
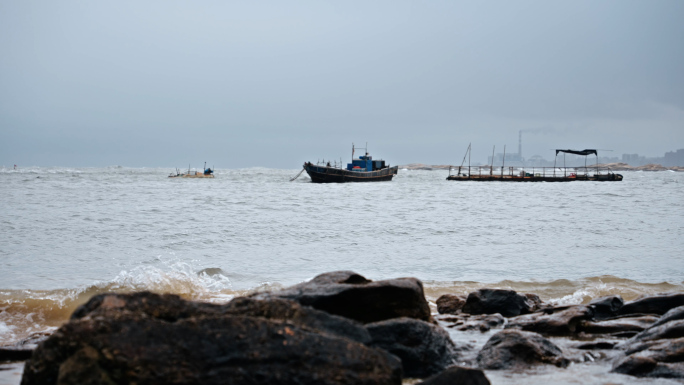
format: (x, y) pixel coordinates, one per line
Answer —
(351, 295)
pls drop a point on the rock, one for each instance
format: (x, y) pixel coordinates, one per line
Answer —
(424, 348)
(606, 307)
(13, 353)
(505, 302)
(483, 323)
(635, 366)
(619, 325)
(350, 295)
(597, 345)
(126, 347)
(669, 330)
(563, 321)
(659, 304)
(517, 350)
(172, 308)
(450, 303)
(671, 315)
(457, 375)
(658, 359)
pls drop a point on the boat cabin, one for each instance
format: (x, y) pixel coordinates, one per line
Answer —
(365, 163)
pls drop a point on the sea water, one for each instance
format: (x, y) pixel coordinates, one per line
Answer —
(70, 233)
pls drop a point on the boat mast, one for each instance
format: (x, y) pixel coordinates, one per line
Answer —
(503, 162)
(491, 164)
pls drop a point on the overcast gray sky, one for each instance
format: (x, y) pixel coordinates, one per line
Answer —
(258, 83)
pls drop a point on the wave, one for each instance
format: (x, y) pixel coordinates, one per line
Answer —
(24, 312)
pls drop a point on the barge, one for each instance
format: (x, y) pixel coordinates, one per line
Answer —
(535, 174)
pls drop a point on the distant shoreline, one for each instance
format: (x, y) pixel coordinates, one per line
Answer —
(611, 166)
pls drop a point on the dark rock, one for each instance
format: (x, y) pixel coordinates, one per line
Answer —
(171, 308)
(623, 324)
(350, 295)
(483, 323)
(505, 302)
(450, 304)
(534, 301)
(671, 315)
(126, 347)
(669, 330)
(659, 304)
(424, 348)
(457, 375)
(517, 350)
(606, 307)
(598, 345)
(635, 366)
(13, 353)
(563, 322)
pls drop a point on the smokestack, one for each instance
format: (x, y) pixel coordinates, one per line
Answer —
(520, 144)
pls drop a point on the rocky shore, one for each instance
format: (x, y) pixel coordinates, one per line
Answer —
(342, 328)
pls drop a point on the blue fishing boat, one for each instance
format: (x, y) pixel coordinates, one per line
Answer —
(361, 169)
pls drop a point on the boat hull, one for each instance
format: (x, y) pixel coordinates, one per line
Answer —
(508, 178)
(322, 174)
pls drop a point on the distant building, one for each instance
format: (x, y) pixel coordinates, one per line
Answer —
(674, 158)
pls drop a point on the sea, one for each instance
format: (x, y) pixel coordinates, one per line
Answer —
(70, 233)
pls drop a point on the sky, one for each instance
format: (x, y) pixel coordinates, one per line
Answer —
(275, 84)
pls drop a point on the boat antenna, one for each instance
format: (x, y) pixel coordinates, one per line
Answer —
(352, 152)
(491, 165)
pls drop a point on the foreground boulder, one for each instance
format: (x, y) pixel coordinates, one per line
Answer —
(658, 304)
(617, 325)
(664, 358)
(424, 348)
(518, 350)
(125, 340)
(169, 307)
(508, 303)
(351, 295)
(553, 321)
(457, 375)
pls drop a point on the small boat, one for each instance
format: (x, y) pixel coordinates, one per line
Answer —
(535, 174)
(208, 173)
(362, 169)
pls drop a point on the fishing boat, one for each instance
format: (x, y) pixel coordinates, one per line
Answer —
(361, 169)
(207, 173)
(535, 174)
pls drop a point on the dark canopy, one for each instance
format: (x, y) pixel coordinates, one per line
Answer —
(583, 152)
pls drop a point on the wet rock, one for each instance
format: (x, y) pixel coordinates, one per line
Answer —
(457, 375)
(672, 315)
(654, 359)
(618, 325)
(669, 330)
(450, 304)
(127, 347)
(171, 308)
(505, 302)
(659, 304)
(350, 295)
(635, 366)
(597, 345)
(559, 322)
(13, 353)
(483, 323)
(424, 348)
(606, 307)
(517, 350)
